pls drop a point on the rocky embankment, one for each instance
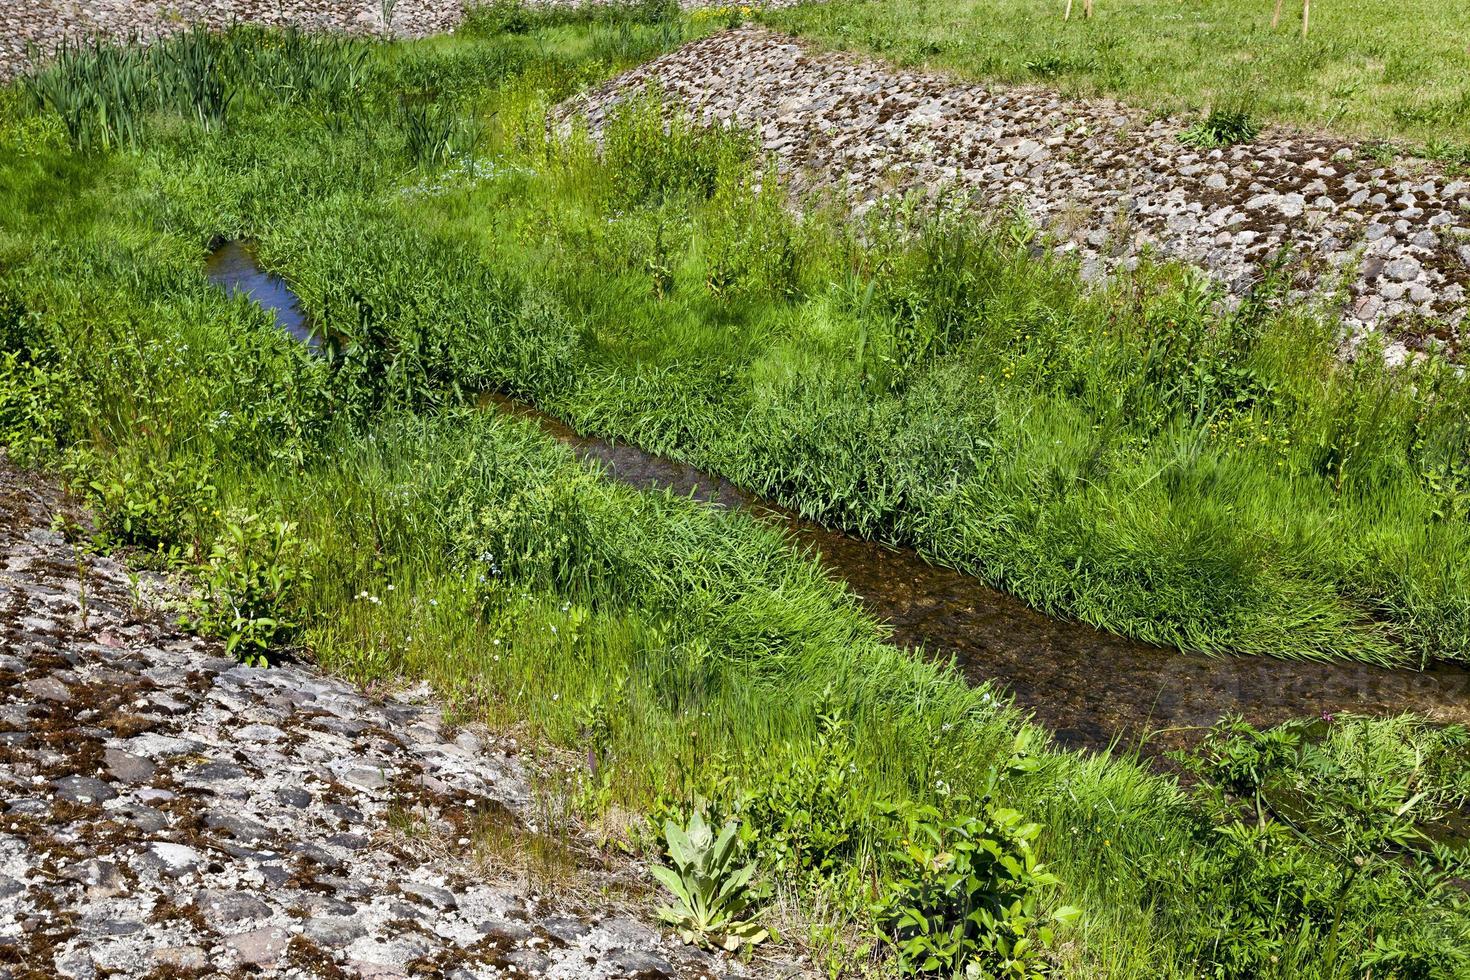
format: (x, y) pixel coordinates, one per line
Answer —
(165, 812)
(1106, 182)
(43, 24)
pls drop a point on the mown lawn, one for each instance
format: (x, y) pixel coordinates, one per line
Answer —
(1368, 68)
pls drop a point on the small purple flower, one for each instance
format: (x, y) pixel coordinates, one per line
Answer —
(1327, 716)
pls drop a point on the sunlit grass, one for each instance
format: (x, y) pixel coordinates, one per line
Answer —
(995, 415)
(1367, 67)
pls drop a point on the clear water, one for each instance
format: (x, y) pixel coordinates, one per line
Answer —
(234, 267)
(1090, 688)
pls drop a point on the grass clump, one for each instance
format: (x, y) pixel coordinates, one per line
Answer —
(1221, 127)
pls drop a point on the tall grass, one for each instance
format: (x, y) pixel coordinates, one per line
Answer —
(1136, 458)
(103, 91)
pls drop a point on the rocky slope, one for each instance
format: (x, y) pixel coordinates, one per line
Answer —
(1107, 183)
(167, 813)
(44, 23)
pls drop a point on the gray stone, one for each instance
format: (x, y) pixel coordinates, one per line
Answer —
(237, 826)
(215, 772)
(83, 789)
(128, 768)
(1403, 269)
(223, 908)
(102, 879)
(439, 898)
(174, 859)
(48, 689)
(334, 932)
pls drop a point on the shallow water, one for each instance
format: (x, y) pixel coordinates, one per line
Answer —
(234, 267)
(1088, 687)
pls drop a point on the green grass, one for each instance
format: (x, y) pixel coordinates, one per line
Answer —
(692, 651)
(1368, 68)
(1134, 458)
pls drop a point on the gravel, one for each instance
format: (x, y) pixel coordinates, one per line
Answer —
(1106, 183)
(180, 815)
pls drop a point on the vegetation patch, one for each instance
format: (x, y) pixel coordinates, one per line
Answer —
(1134, 457)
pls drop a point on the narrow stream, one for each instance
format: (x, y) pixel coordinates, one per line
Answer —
(1088, 687)
(234, 267)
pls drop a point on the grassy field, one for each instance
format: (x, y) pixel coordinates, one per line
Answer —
(358, 508)
(1368, 68)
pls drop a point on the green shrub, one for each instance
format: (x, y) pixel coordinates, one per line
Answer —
(1363, 795)
(158, 505)
(37, 403)
(804, 816)
(249, 589)
(963, 895)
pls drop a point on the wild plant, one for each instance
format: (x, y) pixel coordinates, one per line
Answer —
(191, 69)
(100, 91)
(147, 502)
(435, 134)
(1222, 126)
(250, 586)
(711, 888)
(1316, 822)
(653, 154)
(964, 894)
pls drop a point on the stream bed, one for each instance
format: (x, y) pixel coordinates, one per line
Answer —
(1089, 688)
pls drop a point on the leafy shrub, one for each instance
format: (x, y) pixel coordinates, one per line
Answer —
(157, 505)
(1317, 832)
(963, 894)
(249, 587)
(712, 889)
(497, 17)
(37, 394)
(805, 817)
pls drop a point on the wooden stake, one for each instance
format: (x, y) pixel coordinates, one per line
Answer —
(1306, 15)
(1067, 14)
(1087, 9)
(1276, 17)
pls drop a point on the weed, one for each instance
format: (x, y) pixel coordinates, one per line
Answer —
(249, 588)
(711, 888)
(1221, 127)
